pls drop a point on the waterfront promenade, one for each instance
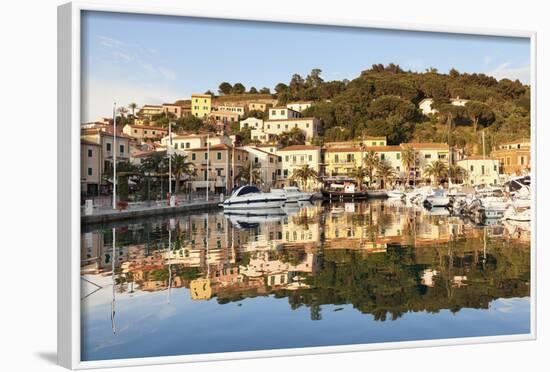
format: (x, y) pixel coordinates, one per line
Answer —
(106, 213)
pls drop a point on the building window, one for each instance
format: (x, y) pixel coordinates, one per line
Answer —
(382, 157)
(282, 112)
(428, 156)
(286, 158)
(90, 171)
(398, 156)
(90, 154)
(256, 160)
(193, 156)
(495, 168)
(187, 145)
(271, 160)
(483, 169)
(273, 112)
(522, 160)
(219, 172)
(176, 146)
(219, 156)
(205, 156)
(310, 157)
(471, 168)
(121, 149)
(109, 147)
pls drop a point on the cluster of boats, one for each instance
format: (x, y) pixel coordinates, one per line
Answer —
(510, 202)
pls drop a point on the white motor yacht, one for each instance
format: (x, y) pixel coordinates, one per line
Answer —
(293, 194)
(250, 197)
(437, 199)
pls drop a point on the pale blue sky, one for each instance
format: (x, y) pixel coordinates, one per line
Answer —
(156, 59)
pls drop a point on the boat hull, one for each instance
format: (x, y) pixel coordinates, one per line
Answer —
(253, 204)
(337, 195)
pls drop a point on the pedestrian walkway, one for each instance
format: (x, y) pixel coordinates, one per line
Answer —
(143, 209)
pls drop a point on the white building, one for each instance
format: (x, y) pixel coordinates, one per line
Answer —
(267, 162)
(299, 106)
(480, 170)
(279, 113)
(427, 109)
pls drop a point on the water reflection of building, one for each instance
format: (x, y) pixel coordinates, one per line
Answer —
(215, 256)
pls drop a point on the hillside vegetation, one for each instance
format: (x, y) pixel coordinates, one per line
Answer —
(383, 101)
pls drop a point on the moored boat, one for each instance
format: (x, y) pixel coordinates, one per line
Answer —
(250, 197)
(346, 191)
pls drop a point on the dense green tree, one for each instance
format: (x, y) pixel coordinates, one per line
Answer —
(225, 88)
(479, 113)
(238, 88)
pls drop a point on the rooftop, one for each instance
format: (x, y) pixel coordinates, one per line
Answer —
(291, 119)
(300, 147)
(426, 145)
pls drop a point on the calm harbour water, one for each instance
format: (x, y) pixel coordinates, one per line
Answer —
(315, 275)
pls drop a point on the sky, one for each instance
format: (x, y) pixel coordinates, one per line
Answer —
(149, 59)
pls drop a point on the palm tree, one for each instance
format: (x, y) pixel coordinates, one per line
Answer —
(385, 172)
(132, 106)
(249, 173)
(457, 173)
(436, 170)
(359, 173)
(408, 159)
(122, 111)
(371, 162)
(181, 167)
(304, 174)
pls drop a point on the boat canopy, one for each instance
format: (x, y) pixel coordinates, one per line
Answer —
(247, 190)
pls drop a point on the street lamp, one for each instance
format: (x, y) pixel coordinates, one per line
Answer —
(114, 156)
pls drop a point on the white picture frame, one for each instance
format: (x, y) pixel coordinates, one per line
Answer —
(69, 109)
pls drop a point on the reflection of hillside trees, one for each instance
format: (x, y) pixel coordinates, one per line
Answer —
(390, 284)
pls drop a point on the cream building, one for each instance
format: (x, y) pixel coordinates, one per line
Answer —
(281, 113)
(143, 132)
(239, 110)
(267, 162)
(252, 123)
(193, 141)
(310, 126)
(90, 167)
(481, 170)
(299, 106)
(427, 153)
(341, 161)
(297, 156)
(178, 111)
(367, 141)
(226, 117)
(201, 105)
(258, 106)
(149, 111)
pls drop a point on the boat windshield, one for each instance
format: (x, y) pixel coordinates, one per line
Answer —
(247, 190)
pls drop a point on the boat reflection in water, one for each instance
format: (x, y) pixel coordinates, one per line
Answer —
(371, 271)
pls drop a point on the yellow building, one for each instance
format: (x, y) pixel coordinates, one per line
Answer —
(294, 157)
(201, 105)
(144, 131)
(365, 141)
(340, 161)
(148, 111)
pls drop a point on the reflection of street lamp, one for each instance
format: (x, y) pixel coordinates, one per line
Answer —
(148, 175)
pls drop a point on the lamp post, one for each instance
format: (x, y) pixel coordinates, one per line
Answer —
(114, 156)
(169, 151)
(207, 165)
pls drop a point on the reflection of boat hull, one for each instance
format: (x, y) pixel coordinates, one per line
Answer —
(377, 194)
(330, 194)
(254, 217)
(260, 203)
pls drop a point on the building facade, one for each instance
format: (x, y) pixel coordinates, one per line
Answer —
(480, 170)
(299, 106)
(268, 163)
(297, 156)
(514, 157)
(201, 105)
(144, 132)
(282, 113)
